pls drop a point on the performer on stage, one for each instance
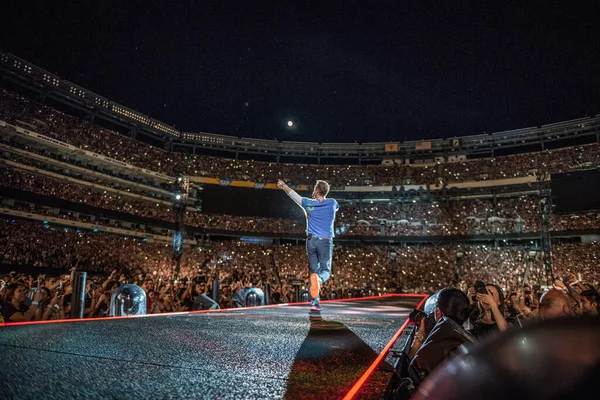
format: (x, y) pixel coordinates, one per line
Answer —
(320, 215)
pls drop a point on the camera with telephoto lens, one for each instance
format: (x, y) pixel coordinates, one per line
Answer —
(479, 287)
(416, 316)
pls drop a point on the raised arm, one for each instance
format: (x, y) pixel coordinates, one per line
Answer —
(290, 192)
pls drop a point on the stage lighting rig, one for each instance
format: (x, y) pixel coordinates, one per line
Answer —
(181, 189)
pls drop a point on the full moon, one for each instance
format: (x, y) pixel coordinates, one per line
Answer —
(290, 123)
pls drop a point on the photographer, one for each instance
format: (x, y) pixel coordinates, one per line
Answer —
(451, 312)
(419, 337)
(15, 307)
(55, 309)
(520, 304)
(490, 301)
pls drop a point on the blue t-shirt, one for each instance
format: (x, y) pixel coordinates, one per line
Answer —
(320, 216)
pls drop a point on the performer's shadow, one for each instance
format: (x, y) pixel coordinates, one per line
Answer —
(331, 359)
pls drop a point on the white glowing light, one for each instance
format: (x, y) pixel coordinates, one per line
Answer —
(290, 123)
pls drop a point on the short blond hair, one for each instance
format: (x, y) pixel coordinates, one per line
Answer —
(322, 187)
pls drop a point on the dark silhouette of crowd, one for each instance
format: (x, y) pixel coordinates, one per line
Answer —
(458, 319)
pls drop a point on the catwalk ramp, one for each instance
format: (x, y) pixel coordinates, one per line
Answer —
(270, 352)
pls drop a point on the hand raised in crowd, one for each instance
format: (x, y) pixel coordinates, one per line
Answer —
(38, 296)
(55, 300)
(471, 293)
(560, 285)
(486, 298)
(96, 293)
(101, 299)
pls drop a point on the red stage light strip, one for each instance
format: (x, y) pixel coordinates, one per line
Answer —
(380, 357)
(385, 296)
(57, 321)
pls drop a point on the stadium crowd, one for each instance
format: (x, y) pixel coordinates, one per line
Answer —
(70, 191)
(485, 290)
(482, 216)
(16, 109)
(60, 162)
(357, 271)
(501, 286)
(83, 218)
(102, 180)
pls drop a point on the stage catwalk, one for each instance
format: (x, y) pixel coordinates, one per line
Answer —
(255, 353)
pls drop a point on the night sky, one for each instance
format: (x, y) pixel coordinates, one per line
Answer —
(343, 71)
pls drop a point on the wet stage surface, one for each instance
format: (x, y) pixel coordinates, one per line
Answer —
(255, 353)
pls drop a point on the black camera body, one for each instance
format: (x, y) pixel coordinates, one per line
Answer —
(480, 287)
(416, 316)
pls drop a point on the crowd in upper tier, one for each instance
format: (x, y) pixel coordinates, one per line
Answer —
(16, 109)
(473, 217)
(483, 216)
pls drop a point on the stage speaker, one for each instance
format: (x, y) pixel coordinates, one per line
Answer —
(203, 302)
(296, 284)
(305, 296)
(267, 292)
(128, 300)
(78, 294)
(252, 300)
(249, 297)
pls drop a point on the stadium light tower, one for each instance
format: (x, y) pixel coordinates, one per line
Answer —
(181, 188)
(545, 210)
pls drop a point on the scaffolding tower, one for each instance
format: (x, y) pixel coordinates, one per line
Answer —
(545, 211)
(181, 189)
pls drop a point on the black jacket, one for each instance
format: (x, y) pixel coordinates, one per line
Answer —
(443, 341)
